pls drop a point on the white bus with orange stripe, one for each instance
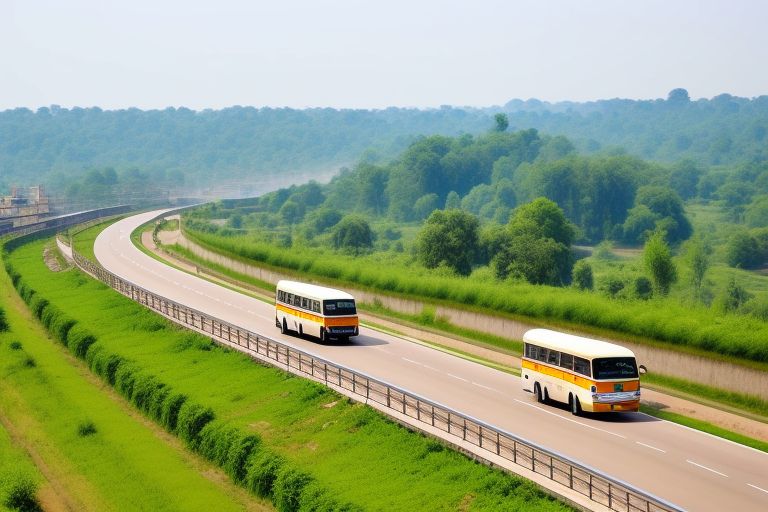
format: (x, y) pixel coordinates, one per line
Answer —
(586, 374)
(315, 310)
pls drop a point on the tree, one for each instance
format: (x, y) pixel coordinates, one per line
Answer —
(537, 245)
(582, 275)
(352, 233)
(733, 297)
(659, 264)
(678, 97)
(698, 259)
(452, 201)
(502, 122)
(544, 219)
(449, 237)
(743, 251)
(640, 222)
(668, 207)
(425, 205)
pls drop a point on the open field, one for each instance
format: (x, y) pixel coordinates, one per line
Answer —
(97, 452)
(307, 443)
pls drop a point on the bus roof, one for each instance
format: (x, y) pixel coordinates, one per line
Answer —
(312, 291)
(576, 345)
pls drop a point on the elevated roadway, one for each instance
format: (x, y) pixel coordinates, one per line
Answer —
(691, 469)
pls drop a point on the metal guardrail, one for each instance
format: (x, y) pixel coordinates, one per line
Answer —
(62, 221)
(600, 488)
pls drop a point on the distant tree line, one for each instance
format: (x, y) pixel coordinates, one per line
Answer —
(184, 147)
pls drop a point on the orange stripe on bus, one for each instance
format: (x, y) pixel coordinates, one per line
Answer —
(348, 321)
(582, 382)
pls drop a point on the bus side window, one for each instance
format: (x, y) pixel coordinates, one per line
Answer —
(304, 303)
(543, 354)
(290, 299)
(566, 360)
(554, 357)
(316, 306)
(581, 366)
(297, 300)
(280, 295)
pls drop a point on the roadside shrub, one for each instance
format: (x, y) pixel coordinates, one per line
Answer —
(86, 428)
(29, 362)
(643, 288)
(60, 326)
(317, 499)
(215, 441)
(169, 411)
(144, 387)
(288, 487)
(125, 377)
(192, 418)
(95, 352)
(241, 448)
(155, 403)
(261, 472)
(582, 275)
(15, 345)
(37, 304)
(18, 492)
(3, 322)
(79, 340)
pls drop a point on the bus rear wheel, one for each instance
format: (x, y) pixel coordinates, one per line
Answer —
(537, 392)
(575, 405)
(284, 327)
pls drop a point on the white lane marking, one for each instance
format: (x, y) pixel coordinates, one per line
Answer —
(569, 419)
(457, 377)
(651, 447)
(411, 361)
(758, 488)
(733, 443)
(705, 467)
(430, 368)
(485, 387)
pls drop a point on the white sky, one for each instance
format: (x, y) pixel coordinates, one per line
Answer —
(374, 54)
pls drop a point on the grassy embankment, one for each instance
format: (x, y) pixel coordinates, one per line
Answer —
(96, 451)
(682, 327)
(280, 436)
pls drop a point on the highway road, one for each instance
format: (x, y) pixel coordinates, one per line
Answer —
(691, 469)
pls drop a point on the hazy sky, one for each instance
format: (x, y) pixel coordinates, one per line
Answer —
(373, 54)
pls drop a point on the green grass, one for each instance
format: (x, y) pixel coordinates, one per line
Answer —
(346, 451)
(19, 478)
(705, 427)
(751, 404)
(105, 458)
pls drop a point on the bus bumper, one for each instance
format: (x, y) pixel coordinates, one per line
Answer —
(632, 406)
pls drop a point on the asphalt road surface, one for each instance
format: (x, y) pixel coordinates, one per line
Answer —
(691, 469)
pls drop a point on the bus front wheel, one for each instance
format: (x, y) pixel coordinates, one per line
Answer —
(575, 405)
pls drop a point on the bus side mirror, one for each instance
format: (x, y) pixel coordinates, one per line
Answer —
(642, 369)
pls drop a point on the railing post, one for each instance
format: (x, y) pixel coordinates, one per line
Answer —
(389, 402)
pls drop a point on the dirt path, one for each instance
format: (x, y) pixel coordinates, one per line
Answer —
(658, 400)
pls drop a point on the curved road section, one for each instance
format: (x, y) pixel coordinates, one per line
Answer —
(691, 469)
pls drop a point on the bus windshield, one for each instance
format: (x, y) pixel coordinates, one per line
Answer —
(339, 307)
(614, 368)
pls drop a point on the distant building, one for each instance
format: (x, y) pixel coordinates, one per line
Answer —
(20, 209)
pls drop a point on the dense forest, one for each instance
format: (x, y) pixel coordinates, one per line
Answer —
(184, 150)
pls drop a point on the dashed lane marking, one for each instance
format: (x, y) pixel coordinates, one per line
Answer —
(705, 467)
(651, 447)
(569, 419)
